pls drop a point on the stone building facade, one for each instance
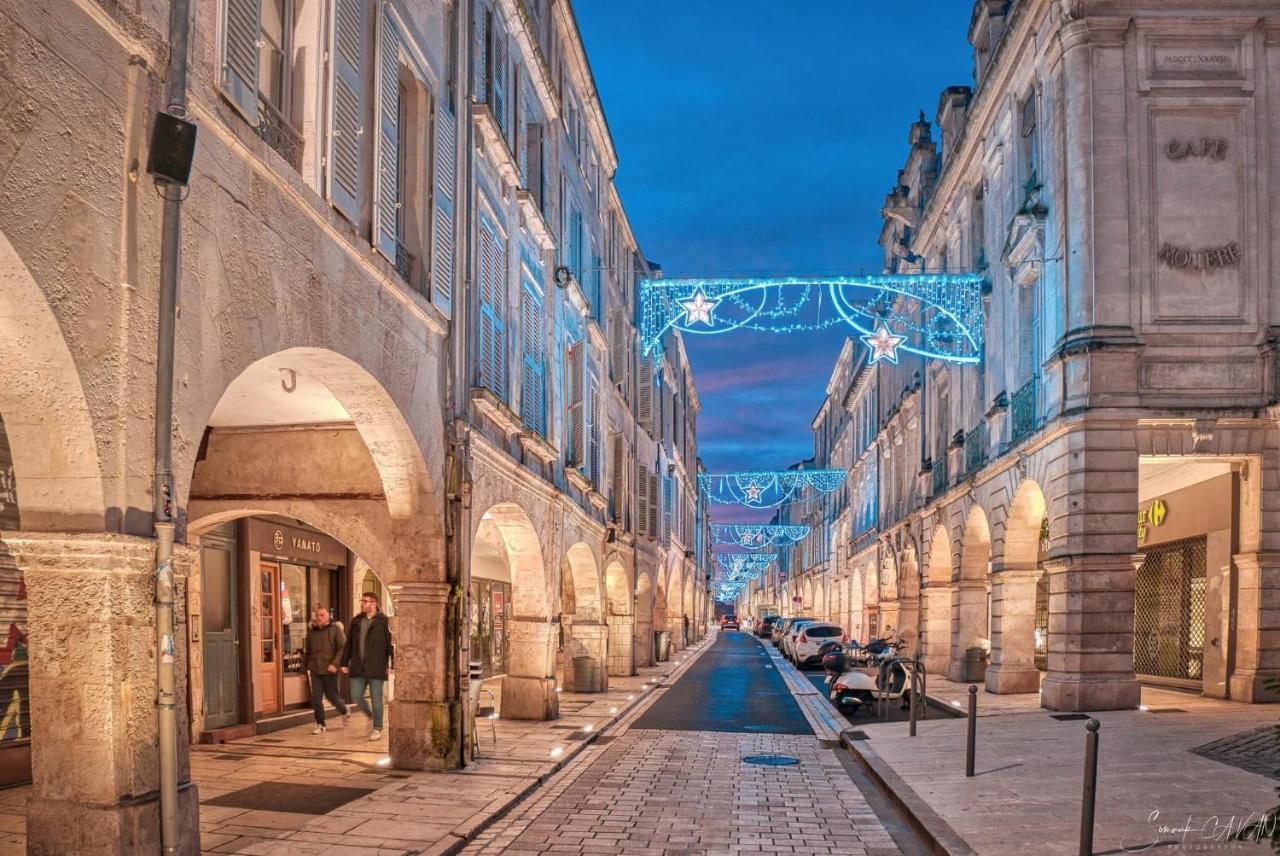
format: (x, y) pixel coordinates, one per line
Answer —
(1094, 505)
(406, 363)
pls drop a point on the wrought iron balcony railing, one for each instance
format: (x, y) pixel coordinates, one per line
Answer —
(940, 475)
(1022, 411)
(975, 448)
(279, 133)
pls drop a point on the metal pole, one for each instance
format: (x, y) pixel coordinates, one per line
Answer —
(915, 699)
(972, 737)
(170, 274)
(1090, 786)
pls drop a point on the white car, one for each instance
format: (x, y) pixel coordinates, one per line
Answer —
(812, 636)
(793, 632)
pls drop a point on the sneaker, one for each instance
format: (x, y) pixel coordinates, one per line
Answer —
(319, 729)
(346, 720)
(375, 734)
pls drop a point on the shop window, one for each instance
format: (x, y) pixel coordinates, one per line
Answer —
(1168, 632)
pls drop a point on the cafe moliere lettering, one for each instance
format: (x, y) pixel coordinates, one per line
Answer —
(1184, 258)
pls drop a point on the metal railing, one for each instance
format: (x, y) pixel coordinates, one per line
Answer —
(279, 133)
(975, 448)
(940, 475)
(1022, 410)
(404, 262)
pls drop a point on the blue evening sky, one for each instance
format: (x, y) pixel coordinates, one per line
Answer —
(760, 137)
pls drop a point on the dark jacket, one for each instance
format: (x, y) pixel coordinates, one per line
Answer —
(324, 647)
(378, 651)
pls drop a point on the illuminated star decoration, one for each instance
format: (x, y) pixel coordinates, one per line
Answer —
(753, 492)
(884, 345)
(699, 308)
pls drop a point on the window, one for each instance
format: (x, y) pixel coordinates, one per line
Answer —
(492, 269)
(533, 387)
(1028, 142)
(257, 56)
(273, 47)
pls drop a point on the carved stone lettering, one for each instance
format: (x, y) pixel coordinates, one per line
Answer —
(1206, 259)
(1210, 148)
(1195, 61)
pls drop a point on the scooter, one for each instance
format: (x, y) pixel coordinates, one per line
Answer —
(884, 675)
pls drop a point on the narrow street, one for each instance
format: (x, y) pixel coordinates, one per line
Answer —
(674, 778)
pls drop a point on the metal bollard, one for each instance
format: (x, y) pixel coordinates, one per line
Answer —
(1090, 786)
(915, 699)
(973, 731)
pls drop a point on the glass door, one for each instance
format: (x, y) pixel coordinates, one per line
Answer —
(269, 674)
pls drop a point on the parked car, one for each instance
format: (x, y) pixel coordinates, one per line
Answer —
(789, 641)
(765, 629)
(780, 629)
(729, 622)
(805, 649)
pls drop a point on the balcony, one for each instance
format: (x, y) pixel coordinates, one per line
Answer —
(279, 133)
(1023, 411)
(975, 449)
(940, 475)
(404, 262)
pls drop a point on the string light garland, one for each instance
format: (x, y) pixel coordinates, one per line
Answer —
(766, 488)
(758, 536)
(742, 566)
(933, 315)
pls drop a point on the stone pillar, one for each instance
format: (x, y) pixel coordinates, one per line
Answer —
(1091, 602)
(91, 635)
(1257, 635)
(643, 643)
(529, 689)
(968, 625)
(890, 615)
(1013, 628)
(621, 649)
(936, 651)
(424, 721)
(593, 639)
(909, 624)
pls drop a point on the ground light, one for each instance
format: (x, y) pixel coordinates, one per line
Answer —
(631, 698)
(384, 762)
(588, 728)
(557, 751)
(613, 710)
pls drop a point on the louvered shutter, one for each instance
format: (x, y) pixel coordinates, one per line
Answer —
(346, 112)
(524, 137)
(653, 505)
(386, 188)
(668, 504)
(645, 393)
(480, 51)
(577, 383)
(240, 34)
(642, 500)
(498, 79)
(617, 348)
(492, 355)
(442, 263)
(533, 383)
(616, 474)
(592, 427)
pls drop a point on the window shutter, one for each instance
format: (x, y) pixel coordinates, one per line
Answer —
(386, 189)
(533, 393)
(668, 503)
(642, 500)
(577, 381)
(240, 32)
(498, 79)
(480, 51)
(653, 505)
(617, 349)
(345, 109)
(492, 356)
(645, 393)
(592, 427)
(616, 476)
(446, 168)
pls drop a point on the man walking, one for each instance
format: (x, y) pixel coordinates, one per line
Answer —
(367, 656)
(325, 642)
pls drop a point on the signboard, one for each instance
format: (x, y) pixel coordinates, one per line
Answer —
(1153, 515)
(8, 484)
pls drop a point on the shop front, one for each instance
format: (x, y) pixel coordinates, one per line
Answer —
(15, 697)
(261, 579)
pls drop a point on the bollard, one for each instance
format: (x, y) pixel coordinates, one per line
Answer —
(1090, 786)
(973, 731)
(915, 700)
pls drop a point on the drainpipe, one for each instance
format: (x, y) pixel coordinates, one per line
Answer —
(170, 273)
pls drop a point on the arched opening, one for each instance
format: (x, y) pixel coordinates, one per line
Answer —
(506, 544)
(309, 488)
(971, 602)
(1019, 591)
(675, 605)
(935, 604)
(690, 608)
(642, 643)
(890, 613)
(620, 609)
(584, 640)
(909, 599)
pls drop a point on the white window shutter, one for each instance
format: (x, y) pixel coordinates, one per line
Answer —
(653, 505)
(480, 51)
(446, 170)
(498, 80)
(386, 187)
(577, 418)
(618, 348)
(592, 427)
(240, 34)
(346, 110)
(616, 473)
(645, 393)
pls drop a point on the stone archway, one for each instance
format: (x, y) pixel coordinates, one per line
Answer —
(675, 605)
(690, 609)
(909, 599)
(1016, 579)
(529, 688)
(642, 643)
(935, 605)
(620, 616)
(583, 631)
(971, 602)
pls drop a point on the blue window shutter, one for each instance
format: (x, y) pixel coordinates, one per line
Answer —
(446, 168)
(346, 108)
(240, 34)
(386, 187)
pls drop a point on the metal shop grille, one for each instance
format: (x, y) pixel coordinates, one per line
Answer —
(1168, 623)
(1042, 623)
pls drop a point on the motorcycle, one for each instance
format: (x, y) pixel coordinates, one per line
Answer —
(870, 672)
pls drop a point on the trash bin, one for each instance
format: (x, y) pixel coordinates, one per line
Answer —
(662, 645)
(975, 665)
(585, 675)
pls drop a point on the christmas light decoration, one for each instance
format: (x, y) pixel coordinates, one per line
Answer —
(758, 536)
(744, 566)
(933, 315)
(765, 488)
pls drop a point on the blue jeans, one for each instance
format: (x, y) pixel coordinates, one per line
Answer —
(375, 692)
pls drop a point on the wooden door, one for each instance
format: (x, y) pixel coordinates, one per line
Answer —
(219, 626)
(269, 674)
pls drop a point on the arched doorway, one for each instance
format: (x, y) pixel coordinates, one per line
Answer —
(583, 634)
(1019, 583)
(620, 618)
(675, 605)
(971, 602)
(935, 605)
(690, 609)
(642, 643)
(529, 684)
(909, 599)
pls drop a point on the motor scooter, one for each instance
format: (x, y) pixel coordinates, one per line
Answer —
(873, 671)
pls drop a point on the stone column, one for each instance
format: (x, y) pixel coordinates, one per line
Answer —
(643, 641)
(909, 624)
(1091, 602)
(968, 625)
(591, 639)
(1257, 642)
(890, 615)
(1013, 628)
(424, 720)
(529, 689)
(936, 651)
(621, 649)
(91, 642)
